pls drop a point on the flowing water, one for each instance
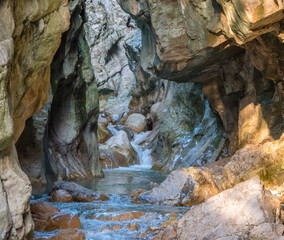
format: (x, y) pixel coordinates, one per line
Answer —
(117, 185)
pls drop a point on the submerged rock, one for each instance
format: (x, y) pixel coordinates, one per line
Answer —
(78, 193)
(136, 193)
(60, 196)
(185, 187)
(49, 218)
(70, 234)
(246, 211)
(121, 217)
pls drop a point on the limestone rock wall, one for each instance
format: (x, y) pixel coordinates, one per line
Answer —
(234, 49)
(107, 28)
(70, 145)
(29, 37)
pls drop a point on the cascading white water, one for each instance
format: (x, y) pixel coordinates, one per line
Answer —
(144, 153)
(136, 141)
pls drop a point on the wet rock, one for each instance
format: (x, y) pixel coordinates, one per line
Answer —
(137, 122)
(186, 188)
(70, 234)
(152, 229)
(136, 193)
(111, 228)
(194, 138)
(60, 196)
(142, 235)
(169, 222)
(49, 218)
(78, 193)
(121, 217)
(133, 226)
(221, 216)
(118, 151)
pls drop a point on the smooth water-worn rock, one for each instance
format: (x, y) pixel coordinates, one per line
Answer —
(60, 195)
(70, 234)
(49, 218)
(118, 151)
(78, 193)
(246, 211)
(136, 122)
(186, 188)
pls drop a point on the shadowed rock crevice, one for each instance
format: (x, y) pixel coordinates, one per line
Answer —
(71, 133)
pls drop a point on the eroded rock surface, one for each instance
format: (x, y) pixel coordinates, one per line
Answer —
(30, 34)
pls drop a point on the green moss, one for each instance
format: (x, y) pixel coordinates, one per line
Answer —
(272, 176)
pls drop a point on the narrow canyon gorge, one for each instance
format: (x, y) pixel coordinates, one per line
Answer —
(141, 119)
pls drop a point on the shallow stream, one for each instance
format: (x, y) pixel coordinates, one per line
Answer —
(117, 184)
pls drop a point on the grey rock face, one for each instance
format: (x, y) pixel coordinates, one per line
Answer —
(106, 32)
(186, 131)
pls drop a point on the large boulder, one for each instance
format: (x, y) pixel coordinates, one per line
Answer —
(246, 211)
(136, 121)
(78, 193)
(60, 195)
(49, 218)
(118, 151)
(184, 187)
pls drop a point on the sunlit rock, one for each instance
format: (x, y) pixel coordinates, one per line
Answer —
(185, 187)
(221, 216)
(29, 38)
(121, 217)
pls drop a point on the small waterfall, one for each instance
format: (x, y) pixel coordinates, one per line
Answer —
(143, 152)
(136, 140)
